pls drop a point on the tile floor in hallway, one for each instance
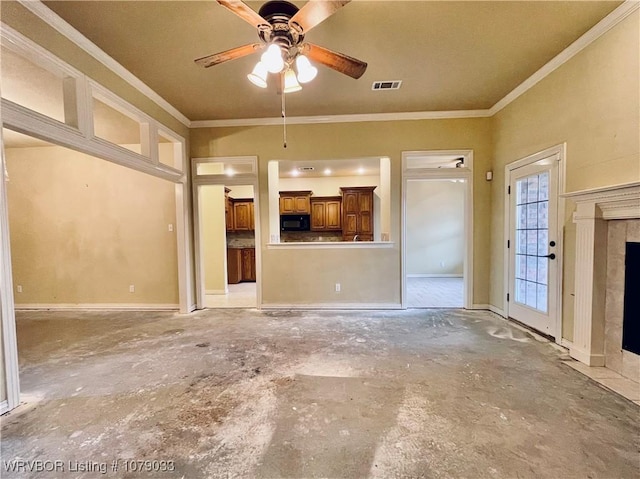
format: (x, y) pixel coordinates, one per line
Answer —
(333, 394)
(435, 292)
(241, 295)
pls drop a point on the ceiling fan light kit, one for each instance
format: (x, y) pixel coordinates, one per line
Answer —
(281, 27)
(259, 75)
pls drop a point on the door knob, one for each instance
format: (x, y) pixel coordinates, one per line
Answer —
(550, 256)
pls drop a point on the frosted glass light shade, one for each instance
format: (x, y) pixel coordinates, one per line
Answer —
(291, 82)
(306, 71)
(259, 75)
(272, 58)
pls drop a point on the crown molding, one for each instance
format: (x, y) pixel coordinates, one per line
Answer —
(599, 29)
(55, 21)
(354, 118)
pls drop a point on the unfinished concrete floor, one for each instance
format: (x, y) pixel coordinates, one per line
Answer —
(237, 393)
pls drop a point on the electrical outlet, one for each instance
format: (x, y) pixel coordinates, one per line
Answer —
(170, 227)
(19, 288)
(132, 288)
(442, 264)
(337, 287)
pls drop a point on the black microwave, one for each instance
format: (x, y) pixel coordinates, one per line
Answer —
(294, 223)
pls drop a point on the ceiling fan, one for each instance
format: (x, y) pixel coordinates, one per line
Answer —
(281, 28)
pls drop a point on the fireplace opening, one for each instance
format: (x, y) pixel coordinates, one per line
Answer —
(631, 316)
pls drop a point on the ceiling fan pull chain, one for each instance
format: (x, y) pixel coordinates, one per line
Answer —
(284, 121)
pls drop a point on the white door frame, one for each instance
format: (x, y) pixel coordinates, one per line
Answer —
(7, 307)
(559, 152)
(465, 173)
(223, 180)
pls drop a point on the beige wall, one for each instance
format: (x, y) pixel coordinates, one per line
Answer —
(213, 237)
(435, 227)
(366, 275)
(83, 230)
(591, 103)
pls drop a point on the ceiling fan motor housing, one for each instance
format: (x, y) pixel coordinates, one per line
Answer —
(278, 13)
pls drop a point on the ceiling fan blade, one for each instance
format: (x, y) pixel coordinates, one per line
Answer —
(245, 12)
(338, 61)
(314, 12)
(227, 55)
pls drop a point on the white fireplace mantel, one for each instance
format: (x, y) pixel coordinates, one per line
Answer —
(593, 208)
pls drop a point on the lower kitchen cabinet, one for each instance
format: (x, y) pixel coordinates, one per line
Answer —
(241, 265)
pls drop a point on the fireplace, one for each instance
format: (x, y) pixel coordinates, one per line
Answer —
(631, 314)
(606, 220)
(622, 317)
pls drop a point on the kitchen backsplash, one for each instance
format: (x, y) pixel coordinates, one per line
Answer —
(241, 239)
(309, 236)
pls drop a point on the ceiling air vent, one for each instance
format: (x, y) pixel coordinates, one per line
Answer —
(386, 85)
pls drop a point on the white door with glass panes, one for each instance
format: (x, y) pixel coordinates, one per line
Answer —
(533, 240)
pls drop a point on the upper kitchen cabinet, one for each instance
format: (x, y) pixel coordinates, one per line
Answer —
(295, 202)
(326, 213)
(243, 215)
(228, 210)
(357, 213)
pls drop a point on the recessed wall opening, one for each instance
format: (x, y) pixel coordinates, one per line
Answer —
(437, 229)
(85, 234)
(331, 201)
(228, 244)
(435, 240)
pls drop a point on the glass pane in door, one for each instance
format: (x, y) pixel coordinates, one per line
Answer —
(531, 241)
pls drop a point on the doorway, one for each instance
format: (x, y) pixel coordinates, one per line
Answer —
(435, 243)
(437, 227)
(534, 241)
(227, 231)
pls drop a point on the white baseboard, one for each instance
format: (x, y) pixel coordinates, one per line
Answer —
(112, 306)
(566, 343)
(498, 311)
(4, 407)
(593, 360)
(332, 306)
(429, 275)
(216, 291)
(480, 306)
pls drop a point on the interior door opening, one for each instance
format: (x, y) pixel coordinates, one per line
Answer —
(228, 242)
(435, 243)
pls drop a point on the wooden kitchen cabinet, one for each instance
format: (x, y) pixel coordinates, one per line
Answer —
(295, 202)
(234, 265)
(248, 264)
(243, 215)
(326, 213)
(357, 213)
(241, 265)
(228, 210)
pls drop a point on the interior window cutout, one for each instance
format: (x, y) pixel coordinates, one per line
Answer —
(114, 126)
(332, 201)
(225, 167)
(37, 88)
(170, 151)
(430, 161)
